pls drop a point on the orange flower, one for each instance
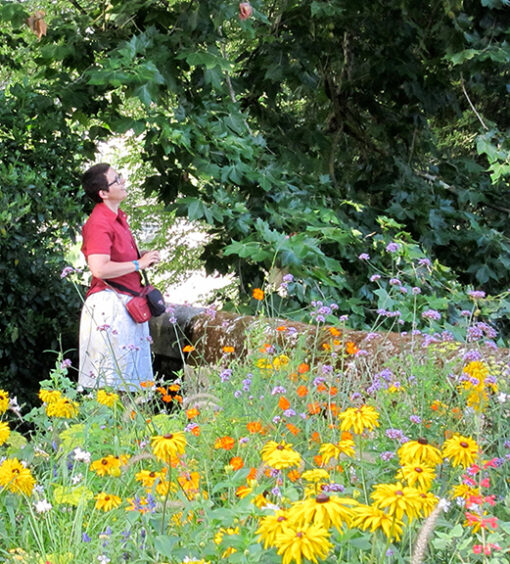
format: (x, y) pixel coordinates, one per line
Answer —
(188, 348)
(335, 332)
(326, 346)
(333, 391)
(303, 368)
(258, 294)
(283, 403)
(346, 436)
(314, 408)
(161, 390)
(228, 349)
(254, 427)
(351, 348)
(318, 460)
(195, 431)
(226, 443)
(294, 475)
(192, 412)
(243, 491)
(315, 437)
(302, 391)
(252, 475)
(322, 387)
(167, 398)
(292, 428)
(236, 462)
(147, 384)
(281, 328)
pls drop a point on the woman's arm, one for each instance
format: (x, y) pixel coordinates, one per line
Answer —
(102, 266)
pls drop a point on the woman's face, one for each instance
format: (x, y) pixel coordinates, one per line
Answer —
(116, 186)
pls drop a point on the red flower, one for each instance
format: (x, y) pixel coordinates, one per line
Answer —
(245, 10)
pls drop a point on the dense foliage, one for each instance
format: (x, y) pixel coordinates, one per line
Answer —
(302, 135)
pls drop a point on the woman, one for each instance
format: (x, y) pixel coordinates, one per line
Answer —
(114, 349)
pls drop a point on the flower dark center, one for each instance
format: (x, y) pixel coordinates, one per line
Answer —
(463, 444)
(423, 441)
(322, 498)
(281, 518)
(418, 469)
(152, 474)
(170, 436)
(299, 534)
(107, 498)
(104, 461)
(399, 492)
(280, 447)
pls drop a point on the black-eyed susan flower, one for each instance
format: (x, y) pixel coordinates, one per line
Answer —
(15, 477)
(323, 510)
(49, 396)
(107, 502)
(308, 541)
(399, 500)
(417, 475)
(271, 526)
(63, 407)
(107, 398)
(464, 491)
(369, 517)
(109, 465)
(280, 455)
(4, 401)
(460, 450)
(149, 477)
(330, 451)
(359, 419)
(167, 447)
(428, 503)
(419, 452)
(5, 432)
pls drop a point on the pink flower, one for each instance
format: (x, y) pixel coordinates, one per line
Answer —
(245, 10)
(477, 549)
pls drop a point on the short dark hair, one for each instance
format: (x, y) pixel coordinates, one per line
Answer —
(94, 180)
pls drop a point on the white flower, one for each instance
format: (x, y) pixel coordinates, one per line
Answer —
(502, 397)
(81, 455)
(77, 479)
(42, 506)
(103, 559)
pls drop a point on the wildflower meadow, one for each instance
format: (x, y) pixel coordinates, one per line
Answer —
(285, 454)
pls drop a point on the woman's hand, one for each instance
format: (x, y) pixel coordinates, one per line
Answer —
(148, 259)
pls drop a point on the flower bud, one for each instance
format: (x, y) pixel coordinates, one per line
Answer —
(245, 10)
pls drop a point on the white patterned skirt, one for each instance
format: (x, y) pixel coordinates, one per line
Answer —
(114, 349)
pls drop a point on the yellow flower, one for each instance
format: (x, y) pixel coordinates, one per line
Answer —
(49, 396)
(280, 455)
(419, 452)
(330, 450)
(15, 477)
(107, 502)
(109, 465)
(280, 360)
(71, 496)
(5, 431)
(258, 294)
(428, 502)
(63, 407)
(460, 450)
(316, 475)
(323, 510)
(358, 419)
(417, 475)
(190, 483)
(149, 478)
(464, 491)
(271, 526)
(373, 518)
(400, 500)
(107, 398)
(309, 541)
(4, 401)
(167, 447)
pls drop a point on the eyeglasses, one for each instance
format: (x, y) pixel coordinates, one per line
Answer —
(116, 180)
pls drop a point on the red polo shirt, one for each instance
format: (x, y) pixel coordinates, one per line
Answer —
(108, 233)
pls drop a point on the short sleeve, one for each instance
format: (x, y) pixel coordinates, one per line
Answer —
(97, 238)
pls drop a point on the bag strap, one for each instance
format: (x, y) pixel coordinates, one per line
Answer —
(125, 288)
